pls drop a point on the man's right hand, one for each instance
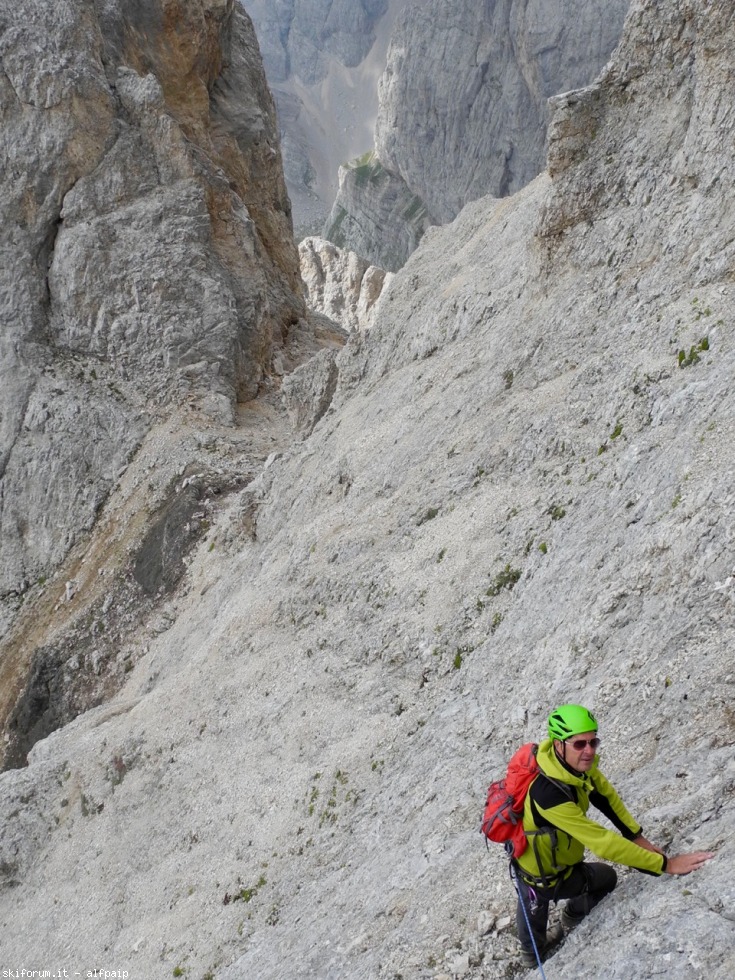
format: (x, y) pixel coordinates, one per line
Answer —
(683, 864)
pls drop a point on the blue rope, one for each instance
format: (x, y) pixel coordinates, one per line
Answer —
(514, 878)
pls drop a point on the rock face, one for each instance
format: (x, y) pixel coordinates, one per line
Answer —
(298, 37)
(519, 492)
(376, 214)
(323, 59)
(468, 117)
(340, 285)
(463, 108)
(148, 263)
(134, 198)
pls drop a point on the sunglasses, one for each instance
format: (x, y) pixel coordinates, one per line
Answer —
(581, 743)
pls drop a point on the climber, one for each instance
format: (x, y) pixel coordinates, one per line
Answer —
(558, 831)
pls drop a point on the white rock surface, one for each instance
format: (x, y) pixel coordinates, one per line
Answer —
(339, 284)
(291, 780)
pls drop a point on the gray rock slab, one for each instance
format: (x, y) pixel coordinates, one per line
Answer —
(291, 780)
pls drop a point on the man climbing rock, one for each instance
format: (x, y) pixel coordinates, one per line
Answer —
(558, 830)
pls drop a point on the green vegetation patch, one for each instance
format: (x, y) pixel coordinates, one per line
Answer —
(505, 579)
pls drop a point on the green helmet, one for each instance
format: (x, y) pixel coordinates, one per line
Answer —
(571, 719)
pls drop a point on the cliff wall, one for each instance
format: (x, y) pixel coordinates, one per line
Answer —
(148, 269)
(323, 59)
(463, 112)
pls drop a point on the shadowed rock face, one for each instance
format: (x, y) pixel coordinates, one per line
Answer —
(463, 97)
(376, 214)
(297, 37)
(323, 59)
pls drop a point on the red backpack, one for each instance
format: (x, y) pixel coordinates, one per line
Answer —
(502, 820)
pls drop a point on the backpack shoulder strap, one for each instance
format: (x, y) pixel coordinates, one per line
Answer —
(550, 792)
(553, 791)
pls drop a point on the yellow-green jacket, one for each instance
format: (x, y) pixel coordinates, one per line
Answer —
(563, 805)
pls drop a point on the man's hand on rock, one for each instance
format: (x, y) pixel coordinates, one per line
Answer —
(684, 864)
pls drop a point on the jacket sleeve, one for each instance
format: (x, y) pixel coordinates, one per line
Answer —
(606, 844)
(607, 801)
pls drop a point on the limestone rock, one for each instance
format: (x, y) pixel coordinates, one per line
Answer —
(468, 117)
(376, 214)
(463, 109)
(323, 59)
(148, 269)
(309, 390)
(292, 777)
(147, 244)
(298, 36)
(340, 284)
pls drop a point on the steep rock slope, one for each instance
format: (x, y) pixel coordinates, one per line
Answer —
(521, 494)
(463, 110)
(148, 266)
(376, 214)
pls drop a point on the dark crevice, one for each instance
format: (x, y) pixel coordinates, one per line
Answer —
(44, 261)
(89, 664)
(38, 711)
